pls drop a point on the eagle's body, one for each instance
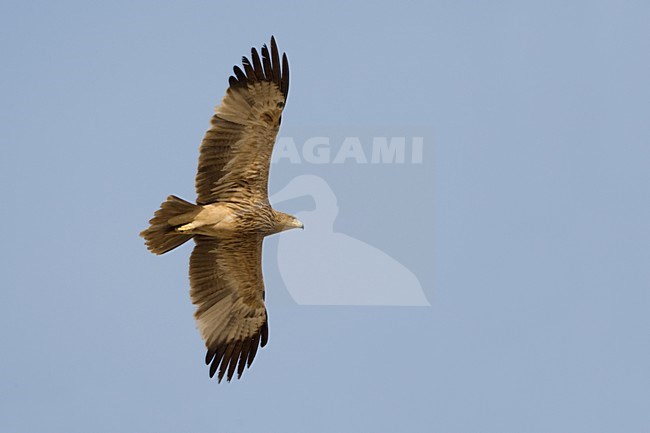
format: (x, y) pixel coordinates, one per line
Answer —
(231, 219)
(232, 214)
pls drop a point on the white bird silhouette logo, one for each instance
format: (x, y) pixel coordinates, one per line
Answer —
(323, 267)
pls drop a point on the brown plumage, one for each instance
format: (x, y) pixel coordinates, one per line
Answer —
(232, 214)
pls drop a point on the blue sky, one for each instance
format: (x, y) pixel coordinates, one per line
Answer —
(526, 222)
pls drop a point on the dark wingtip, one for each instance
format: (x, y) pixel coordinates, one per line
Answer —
(265, 334)
(248, 68)
(284, 84)
(257, 65)
(267, 68)
(228, 360)
(241, 77)
(209, 355)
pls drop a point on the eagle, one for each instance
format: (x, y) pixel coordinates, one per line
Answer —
(232, 214)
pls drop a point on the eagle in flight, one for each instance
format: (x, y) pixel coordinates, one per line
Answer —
(232, 214)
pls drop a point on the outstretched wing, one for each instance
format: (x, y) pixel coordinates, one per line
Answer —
(236, 151)
(228, 289)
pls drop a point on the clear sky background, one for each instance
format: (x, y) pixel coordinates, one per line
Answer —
(527, 223)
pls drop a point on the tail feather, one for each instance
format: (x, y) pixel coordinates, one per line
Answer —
(161, 236)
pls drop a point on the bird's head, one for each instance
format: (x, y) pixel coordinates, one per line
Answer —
(285, 221)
